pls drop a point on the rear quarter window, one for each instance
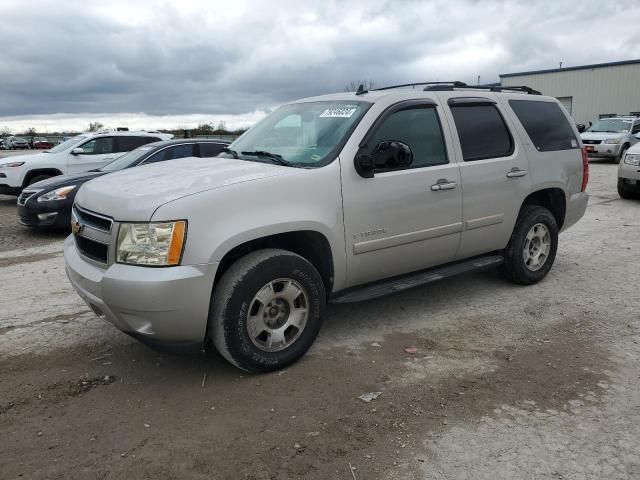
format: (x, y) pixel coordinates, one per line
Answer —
(482, 132)
(545, 123)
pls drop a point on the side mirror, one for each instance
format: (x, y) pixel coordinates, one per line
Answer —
(581, 127)
(388, 154)
(77, 151)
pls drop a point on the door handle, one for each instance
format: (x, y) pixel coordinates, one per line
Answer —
(516, 173)
(443, 184)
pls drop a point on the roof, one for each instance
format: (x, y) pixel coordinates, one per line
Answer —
(174, 141)
(566, 69)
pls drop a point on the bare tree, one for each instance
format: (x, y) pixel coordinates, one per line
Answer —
(30, 132)
(5, 131)
(222, 126)
(95, 126)
(353, 85)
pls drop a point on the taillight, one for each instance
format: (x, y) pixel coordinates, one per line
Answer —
(585, 169)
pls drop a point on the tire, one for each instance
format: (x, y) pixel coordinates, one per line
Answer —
(527, 272)
(37, 178)
(624, 193)
(245, 331)
(623, 150)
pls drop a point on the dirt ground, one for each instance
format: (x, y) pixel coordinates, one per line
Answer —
(507, 382)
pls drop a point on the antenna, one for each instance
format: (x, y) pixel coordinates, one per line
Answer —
(361, 90)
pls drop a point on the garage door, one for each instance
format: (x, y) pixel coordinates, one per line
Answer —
(566, 102)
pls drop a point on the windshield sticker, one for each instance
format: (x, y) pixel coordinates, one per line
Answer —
(574, 144)
(342, 111)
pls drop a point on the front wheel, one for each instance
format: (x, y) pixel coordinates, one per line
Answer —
(267, 310)
(532, 248)
(624, 193)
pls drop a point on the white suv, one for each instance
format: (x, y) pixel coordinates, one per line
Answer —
(78, 154)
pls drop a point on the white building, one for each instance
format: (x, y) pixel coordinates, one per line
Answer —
(587, 91)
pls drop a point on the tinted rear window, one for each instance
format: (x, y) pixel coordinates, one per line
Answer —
(127, 143)
(211, 149)
(482, 132)
(546, 125)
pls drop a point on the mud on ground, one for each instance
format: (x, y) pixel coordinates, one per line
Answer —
(506, 382)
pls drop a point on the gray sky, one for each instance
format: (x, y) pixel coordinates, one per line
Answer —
(170, 63)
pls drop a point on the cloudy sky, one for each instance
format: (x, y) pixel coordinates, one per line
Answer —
(169, 63)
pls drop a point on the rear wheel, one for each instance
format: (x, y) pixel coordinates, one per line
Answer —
(267, 310)
(532, 248)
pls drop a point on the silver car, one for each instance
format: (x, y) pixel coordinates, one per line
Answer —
(338, 198)
(610, 138)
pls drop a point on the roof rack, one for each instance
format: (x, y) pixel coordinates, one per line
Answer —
(619, 115)
(448, 86)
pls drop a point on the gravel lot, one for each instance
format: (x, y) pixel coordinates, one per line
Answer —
(508, 382)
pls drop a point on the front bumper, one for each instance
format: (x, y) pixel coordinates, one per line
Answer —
(45, 215)
(604, 150)
(626, 171)
(576, 206)
(156, 305)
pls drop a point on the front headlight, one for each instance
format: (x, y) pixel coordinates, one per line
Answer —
(632, 159)
(11, 164)
(613, 140)
(153, 244)
(57, 194)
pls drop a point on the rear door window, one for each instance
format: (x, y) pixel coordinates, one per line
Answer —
(128, 143)
(211, 149)
(172, 153)
(546, 124)
(482, 132)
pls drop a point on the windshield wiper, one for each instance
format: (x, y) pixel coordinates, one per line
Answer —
(274, 157)
(233, 153)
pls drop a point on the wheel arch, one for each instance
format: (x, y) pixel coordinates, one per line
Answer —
(39, 171)
(553, 198)
(309, 244)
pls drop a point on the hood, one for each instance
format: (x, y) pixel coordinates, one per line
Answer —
(65, 180)
(601, 135)
(134, 194)
(28, 158)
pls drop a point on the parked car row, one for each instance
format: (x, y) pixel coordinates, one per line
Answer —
(47, 203)
(14, 143)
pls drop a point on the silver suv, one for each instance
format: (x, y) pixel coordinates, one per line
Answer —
(338, 198)
(610, 138)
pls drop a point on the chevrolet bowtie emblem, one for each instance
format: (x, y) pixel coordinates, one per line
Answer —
(76, 227)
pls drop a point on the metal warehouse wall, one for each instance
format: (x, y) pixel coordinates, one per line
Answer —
(614, 89)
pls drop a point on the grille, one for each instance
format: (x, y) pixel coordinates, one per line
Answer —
(592, 142)
(90, 248)
(92, 220)
(25, 195)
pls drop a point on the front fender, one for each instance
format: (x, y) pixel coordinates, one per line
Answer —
(221, 219)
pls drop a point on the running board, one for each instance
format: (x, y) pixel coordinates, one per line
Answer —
(405, 282)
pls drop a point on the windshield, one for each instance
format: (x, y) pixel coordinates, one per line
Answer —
(67, 144)
(302, 134)
(611, 125)
(129, 159)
